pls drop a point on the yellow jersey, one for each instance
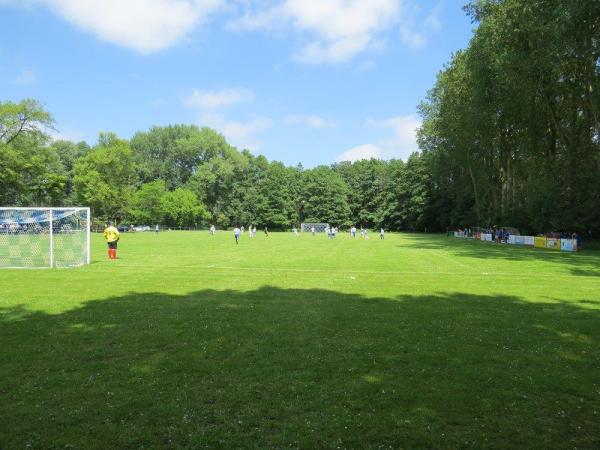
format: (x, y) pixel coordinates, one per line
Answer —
(111, 234)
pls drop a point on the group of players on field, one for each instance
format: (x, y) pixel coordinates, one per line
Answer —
(331, 232)
(112, 236)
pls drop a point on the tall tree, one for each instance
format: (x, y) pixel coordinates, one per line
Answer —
(182, 209)
(104, 178)
(325, 197)
(146, 205)
(27, 117)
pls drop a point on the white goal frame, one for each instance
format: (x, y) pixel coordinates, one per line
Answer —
(319, 227)
(45, 224)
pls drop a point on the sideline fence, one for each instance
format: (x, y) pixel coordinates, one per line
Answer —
(566, 245)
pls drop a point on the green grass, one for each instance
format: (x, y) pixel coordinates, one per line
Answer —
(188, 341)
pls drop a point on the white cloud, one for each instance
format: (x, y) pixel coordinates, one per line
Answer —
(334, 31)
(218, 99)
(412, 38)
(27, 76)
(145, 26)
(433, 21)
(240, 134)
(318, 122)
(339, 29)
(400, 145)
(67, 135)
(404, 139)
(311, 121)
(416, 36)
(366, 151)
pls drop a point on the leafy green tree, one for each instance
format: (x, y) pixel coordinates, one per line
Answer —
(25, 118)
(67, 153)
(30, 172)
(368, 182)
(146, 205)
(182, 209)
(512, 122)
(104, 178)
(215, 181)
(277, 205)
(174, 153)
(325, 197)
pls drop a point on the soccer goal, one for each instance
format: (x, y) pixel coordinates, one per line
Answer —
(319, 227)
(44, 237)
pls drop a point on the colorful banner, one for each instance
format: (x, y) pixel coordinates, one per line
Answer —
(553, 244)
(568, 245)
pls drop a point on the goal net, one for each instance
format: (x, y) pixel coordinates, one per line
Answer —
(319, 227)
(44, 237)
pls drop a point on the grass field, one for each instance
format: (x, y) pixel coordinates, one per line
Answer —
(188, 341)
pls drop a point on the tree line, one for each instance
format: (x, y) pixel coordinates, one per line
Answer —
(511, 129)
(510, 137)
(187, 176)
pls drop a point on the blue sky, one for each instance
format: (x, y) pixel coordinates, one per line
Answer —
(310, 81)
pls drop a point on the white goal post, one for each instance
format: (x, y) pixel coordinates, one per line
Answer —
(319, 227)
(44, 237)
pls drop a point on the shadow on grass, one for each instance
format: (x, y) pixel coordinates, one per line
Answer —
(584, 264)
(275, 368)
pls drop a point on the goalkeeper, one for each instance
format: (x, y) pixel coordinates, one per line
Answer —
(111, 234)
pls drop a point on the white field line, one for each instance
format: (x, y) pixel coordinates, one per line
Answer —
(457, 263)
(211, 267)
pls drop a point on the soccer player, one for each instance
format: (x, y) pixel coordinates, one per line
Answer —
(212, 230)
(382, 234)
(236, 234)
(353, 231)
(295, 231)
(266, 231)
(111, 234)
(312, 230)
(156, 229)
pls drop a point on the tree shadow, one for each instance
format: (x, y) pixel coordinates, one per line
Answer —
(579, 264)
(427, 241)
(302, 368)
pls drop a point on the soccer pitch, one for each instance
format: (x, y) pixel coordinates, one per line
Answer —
(416, 341)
